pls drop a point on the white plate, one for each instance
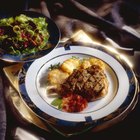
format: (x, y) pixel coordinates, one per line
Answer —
(41, 80)
(119, 86)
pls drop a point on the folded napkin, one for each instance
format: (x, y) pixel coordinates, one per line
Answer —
(15, 100)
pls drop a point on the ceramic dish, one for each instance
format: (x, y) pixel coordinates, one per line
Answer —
(122, 88)
(29, 116)
(26, 113)
(54, 36)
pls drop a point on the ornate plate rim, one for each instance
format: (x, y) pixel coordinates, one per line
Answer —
(132, 90)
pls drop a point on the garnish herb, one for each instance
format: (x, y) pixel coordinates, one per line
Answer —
(55, 66)
(57, 103)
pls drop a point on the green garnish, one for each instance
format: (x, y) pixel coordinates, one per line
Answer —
(75, 57)
(57, 103)
(55, 66)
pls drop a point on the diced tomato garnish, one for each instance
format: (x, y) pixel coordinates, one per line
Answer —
(73, 103)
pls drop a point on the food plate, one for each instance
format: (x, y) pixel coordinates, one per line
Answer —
(122, 88)
(51, 43)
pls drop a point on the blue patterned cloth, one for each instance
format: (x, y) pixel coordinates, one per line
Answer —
(2, 113)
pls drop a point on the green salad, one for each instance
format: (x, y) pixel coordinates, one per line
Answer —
(23, 34)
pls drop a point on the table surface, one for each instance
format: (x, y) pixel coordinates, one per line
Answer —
(128, 129)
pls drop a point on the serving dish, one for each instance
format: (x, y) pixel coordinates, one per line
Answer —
(30, 117)
(54, 36)
(122, 80)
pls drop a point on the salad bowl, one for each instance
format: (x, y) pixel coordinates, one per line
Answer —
(26, 36)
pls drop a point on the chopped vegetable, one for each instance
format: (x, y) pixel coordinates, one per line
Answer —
(73, 103)
(23, 34)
